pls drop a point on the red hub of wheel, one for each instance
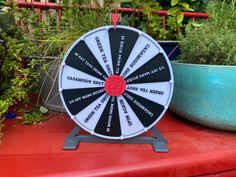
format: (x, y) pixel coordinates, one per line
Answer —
(115, 85)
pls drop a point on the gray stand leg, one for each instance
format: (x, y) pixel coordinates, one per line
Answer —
(157, 140)
(72, 140)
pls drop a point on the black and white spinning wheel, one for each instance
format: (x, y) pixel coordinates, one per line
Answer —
(116, 84)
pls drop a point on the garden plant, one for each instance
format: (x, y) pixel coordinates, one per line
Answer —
(212, 41)
(16, 81)
(205, 73)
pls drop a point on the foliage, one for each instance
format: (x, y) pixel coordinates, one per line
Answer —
(33, 116)
(152, 23)
(209, 45)
(3, 108)
(53, 37)
(16, 81)
(213, 42)
(197, 5)
(222, 14)
(177, 9)
(6, 16)
(1, 4)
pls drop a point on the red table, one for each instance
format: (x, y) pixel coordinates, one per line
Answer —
(193, 151)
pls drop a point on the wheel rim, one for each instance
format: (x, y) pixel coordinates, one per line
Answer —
(116, 84)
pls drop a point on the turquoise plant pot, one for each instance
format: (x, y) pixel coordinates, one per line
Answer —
(205, 94)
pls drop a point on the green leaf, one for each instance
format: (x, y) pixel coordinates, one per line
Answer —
(43, 110)
(174, 2)
(184, 4)
(189, 9)
(173, 11)
(195, 24)
(17, 18)
(180, 18)
(124, 1)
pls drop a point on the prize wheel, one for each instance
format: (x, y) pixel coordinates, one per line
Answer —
(116, 84)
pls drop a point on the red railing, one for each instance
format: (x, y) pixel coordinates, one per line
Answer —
(40, 6)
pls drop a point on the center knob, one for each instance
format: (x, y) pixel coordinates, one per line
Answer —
(115, 85)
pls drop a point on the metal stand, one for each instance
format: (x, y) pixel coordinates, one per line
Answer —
(157, 140)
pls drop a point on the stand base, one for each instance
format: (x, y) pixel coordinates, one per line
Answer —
(157, 140)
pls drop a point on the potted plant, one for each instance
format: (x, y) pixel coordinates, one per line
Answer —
(205, 75)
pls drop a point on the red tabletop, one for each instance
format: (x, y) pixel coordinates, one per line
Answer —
(38, 151)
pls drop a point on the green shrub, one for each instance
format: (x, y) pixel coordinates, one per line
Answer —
(213, 41)
(222, 13)
(209, 45)
(15, 81)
